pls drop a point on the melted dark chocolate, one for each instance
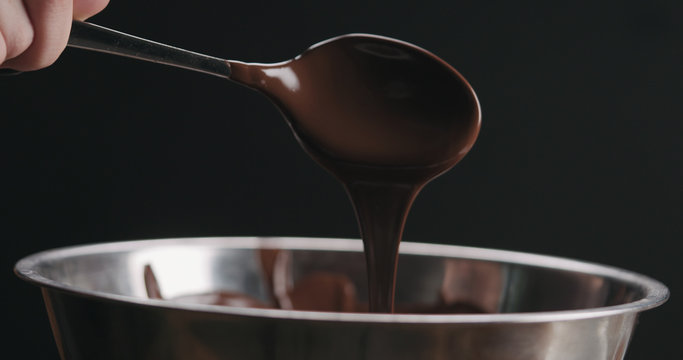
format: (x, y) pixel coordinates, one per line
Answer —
(318, 291)
(385, 117)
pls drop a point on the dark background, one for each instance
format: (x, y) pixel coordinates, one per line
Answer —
(580, 153)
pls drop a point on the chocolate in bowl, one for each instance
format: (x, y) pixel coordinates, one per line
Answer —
(538, 307)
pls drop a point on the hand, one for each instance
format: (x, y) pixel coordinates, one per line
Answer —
(33, 33)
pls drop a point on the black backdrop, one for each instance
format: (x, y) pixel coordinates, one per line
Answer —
(580, 153)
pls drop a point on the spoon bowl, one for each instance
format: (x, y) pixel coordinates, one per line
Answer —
(371, 100)
(358, 98)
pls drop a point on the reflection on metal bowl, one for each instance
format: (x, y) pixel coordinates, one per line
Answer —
(305, 298)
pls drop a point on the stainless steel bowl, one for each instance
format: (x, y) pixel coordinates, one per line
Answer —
(536, 307)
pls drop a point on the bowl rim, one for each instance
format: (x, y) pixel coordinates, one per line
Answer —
(655, 293)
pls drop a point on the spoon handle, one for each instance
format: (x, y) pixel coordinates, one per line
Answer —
(98, 38)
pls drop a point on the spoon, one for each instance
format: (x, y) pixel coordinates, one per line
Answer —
(358, 98)
(382, 115)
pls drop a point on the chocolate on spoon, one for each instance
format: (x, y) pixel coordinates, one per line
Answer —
(382, 115)
(358, 98)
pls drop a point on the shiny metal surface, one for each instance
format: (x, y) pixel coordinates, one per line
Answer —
(538, 307)
(98, 38)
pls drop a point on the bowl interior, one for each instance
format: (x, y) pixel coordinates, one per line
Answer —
(329, 275)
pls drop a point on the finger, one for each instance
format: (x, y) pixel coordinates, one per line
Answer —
(84, 9)
(16, 31)
(51, 20)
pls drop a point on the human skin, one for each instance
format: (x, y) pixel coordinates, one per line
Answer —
(33, 33)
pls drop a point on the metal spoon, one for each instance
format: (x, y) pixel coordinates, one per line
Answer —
(384, 116)
(402, 105)
(98, 38)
